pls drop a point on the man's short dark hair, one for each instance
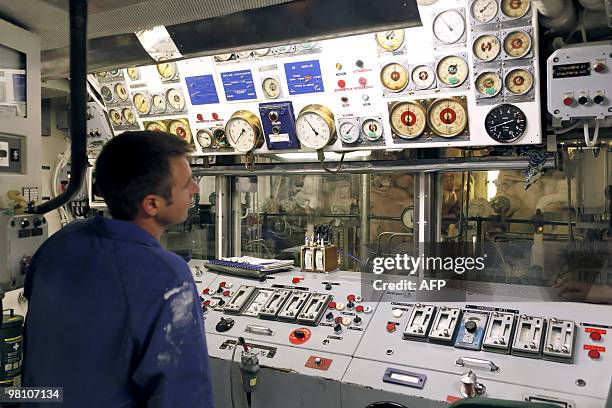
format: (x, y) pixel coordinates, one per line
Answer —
(134, 165)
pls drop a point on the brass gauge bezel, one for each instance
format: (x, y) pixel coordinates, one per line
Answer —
(419, 106)
(185, 124)
(253, 121)
(158, 123)
(461, 102)
(387, 45)
(163, 74)
(328, 117)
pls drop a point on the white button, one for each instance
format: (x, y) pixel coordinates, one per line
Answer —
(397, 313)
(340, 306)
(346, 321)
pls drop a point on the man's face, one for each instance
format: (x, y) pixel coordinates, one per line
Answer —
(175, 210)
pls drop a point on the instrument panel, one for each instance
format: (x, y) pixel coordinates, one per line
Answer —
(438, 85)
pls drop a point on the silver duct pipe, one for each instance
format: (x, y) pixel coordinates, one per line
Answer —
(593, 4)
(558, 15)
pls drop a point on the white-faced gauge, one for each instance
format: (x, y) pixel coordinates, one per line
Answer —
(372, 129)
(156, 126)
(166, 70)
(141, 102)
(486, 47)
(223, 57)
(128, 115)
(484, 11)
(423, 76)
(394, 77)
(243, 131)
(271, 88)
(159, 103)
(315, 126)
(449, 26)
(517, 44)
(115, 117)
(447, 117)
(515, 8)
(133, 73)
(519, 81)
(175, 98)
(488, 84)
(452, 70)
(349, 132)
(408, 119)
(390, 40)
(204, 138)
(180, 129)
(121, 92)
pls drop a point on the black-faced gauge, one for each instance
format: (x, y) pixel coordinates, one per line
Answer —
(486, 47)
(372, 129)
(447, 117)
(121, 92)
(390, 40)
(423, 76)
(408, 119)
(180, 129)
(394, 77)
(488, 84)
(408, 217)
(141, 102)
(315, 126)
(506, 123)
(220, 138)
(261, 52)
(452, 70)
(166, 70)
(133, 73)
(128, 115)
(175, 99)
(106, 93)
(484, 11)
(515, 8)
(449, 26)
(517, 44)
(204, 138)
(349, 132)
(223, 57)
(271, 88)
(243, 131)
(519, 81)
(115, 117)
(159, 103)
(156, 126)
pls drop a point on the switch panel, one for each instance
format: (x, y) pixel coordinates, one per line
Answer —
(471, 331)
(419, 322)
(528, 338)
(500, 329)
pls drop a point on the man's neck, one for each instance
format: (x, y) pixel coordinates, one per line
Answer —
(150, 226)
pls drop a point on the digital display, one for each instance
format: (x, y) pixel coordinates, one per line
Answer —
(572, 70)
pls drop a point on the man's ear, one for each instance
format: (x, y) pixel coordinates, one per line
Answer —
(150, 205)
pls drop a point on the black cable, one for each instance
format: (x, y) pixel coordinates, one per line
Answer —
(249, 399)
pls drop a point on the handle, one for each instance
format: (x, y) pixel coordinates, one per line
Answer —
(255, 329)
(476, 362)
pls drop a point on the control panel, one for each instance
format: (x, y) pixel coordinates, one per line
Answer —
(580, 81)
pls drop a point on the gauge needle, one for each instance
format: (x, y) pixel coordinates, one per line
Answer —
(142, 103)
(448, 25)
(503, 123)
(348, 131)
(239, 136)
(485, 7)
(163, 73)
(313, 129)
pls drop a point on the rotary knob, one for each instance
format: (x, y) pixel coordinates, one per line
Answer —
(470, 326)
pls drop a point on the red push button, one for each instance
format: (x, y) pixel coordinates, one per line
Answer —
(338, 320)
(595, 336)
(207, 303)
(341, 83)
(568, 101)
(331, 305)
(350, 298)
(215, 116)
(359, 309)
(296, 280)
(363, 81)
(594, 354)
(206, 291)
(200, 117)
(391, 327)
(222, 284)
(226, 293)
(599, 67)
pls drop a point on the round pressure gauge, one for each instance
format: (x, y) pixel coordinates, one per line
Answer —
(519, 81)
(271, 88)
(244, 54)
(423, 76)
(452, 70)
(282, 49)
(394, 77)
(408, 217)
(166, 70)
(506, 123)
(517, 44)
(486, 47)
(261, 52)
(315, 127)
(115, 117)
(121, 92)
(180, 129)
(488, 84)
(141, 102)
(447, 117)
(515, 8)
(128, 115)
(390, 40)
(243, 131)
(449, 26)
(114, 72)
(372, 129)
(106, 93)
(204, 138)
(159, 103)
(156, 126)
(484, 11)
(408, 119)
(223, 57)
(102, 74)
(175, 99)
(349, 132)
(133, 73)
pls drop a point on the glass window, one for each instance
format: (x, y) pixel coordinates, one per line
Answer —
(13, 101)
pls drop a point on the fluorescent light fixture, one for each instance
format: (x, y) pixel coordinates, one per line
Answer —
(158, 43)
(331, 156)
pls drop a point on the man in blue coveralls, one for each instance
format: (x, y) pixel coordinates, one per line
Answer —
(113, 317)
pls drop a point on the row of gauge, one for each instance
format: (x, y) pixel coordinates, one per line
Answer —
(315, 126)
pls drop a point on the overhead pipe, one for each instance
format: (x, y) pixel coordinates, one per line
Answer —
(78, 106)
(557, 15)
